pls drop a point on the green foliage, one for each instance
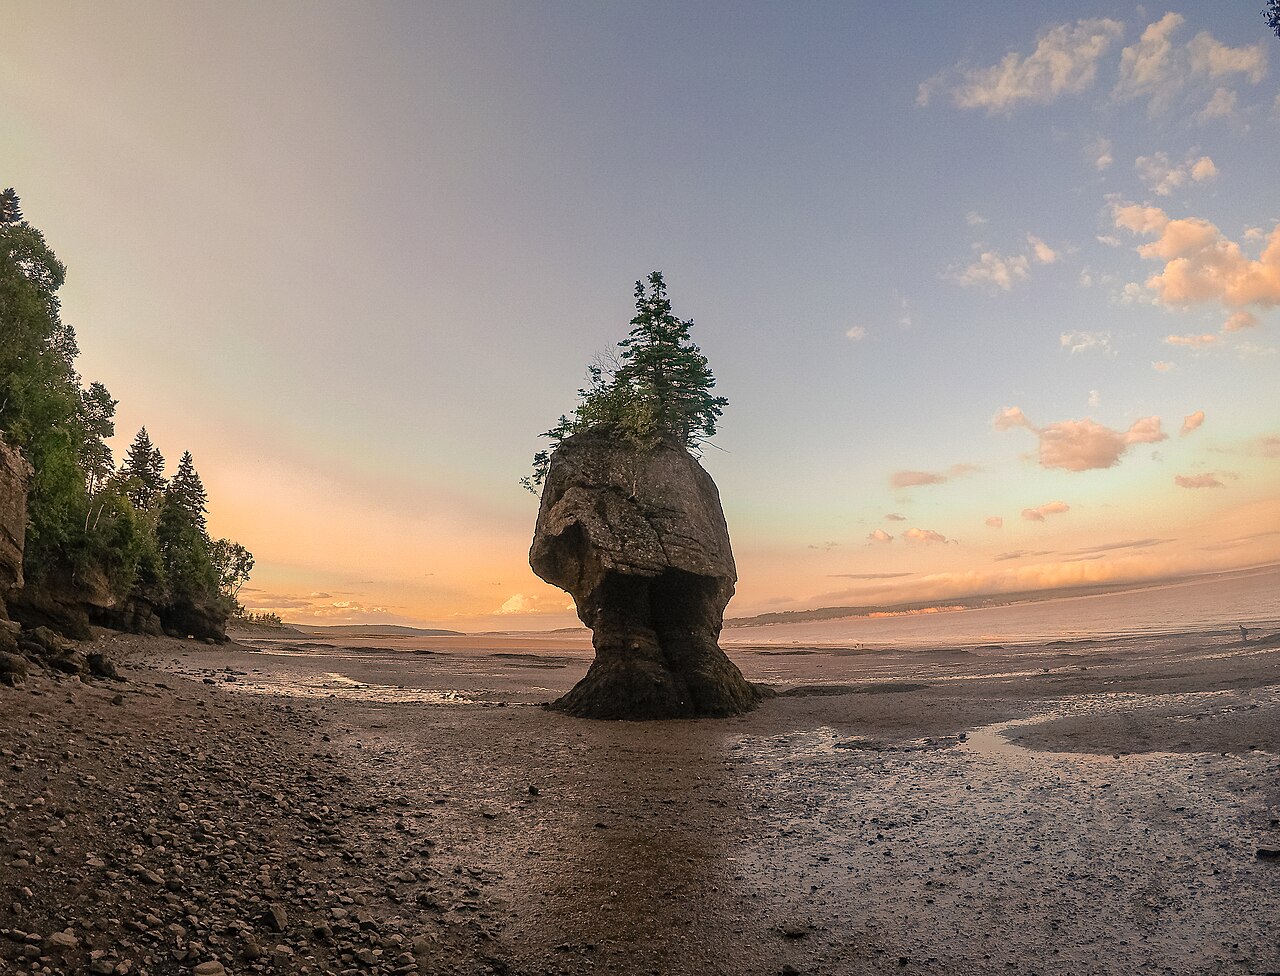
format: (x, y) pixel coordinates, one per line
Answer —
(146, 536)
(233, 563)
(144, 469)
(659, 384)
(264, 619)
(1272, 15)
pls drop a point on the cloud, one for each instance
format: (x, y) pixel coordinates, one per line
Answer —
(1192, 421)
(995, 521)
(1041, 251)
(1082, 445)
(1163, 177)
(1147, 66)
(974, 219)
(999, 271)
(1194, 341)
(1239, 320)
(1200, 264)
(911, 479)
(857, 333)
(1065, 61)
(1197, 481)
(1076, 342)
(1212, 58)
(868, 576)
(521, 603)
(895, 517)
(1021, 554)
(880, 536)
(1160, 366)
(1113, 546)
(1095, 398)
(1221, 105)
(1040, 512)
(1099, 151)
(924, 536)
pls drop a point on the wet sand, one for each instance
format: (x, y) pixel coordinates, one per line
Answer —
(1078, 807)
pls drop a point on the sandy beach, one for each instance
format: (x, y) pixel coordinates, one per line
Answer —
(1075, 807)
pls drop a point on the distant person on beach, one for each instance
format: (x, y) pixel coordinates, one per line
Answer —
(1244, 634)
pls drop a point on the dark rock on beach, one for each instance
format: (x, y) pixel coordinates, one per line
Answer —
(638, 537)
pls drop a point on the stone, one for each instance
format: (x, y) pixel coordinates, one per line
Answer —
(276, 917)
(61, 941)
(13, 669)
(1268, 853)
(212, 968)
(636, 534)
(14, 475)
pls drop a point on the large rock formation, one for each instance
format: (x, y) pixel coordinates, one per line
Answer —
(14, 475)
(638, 537)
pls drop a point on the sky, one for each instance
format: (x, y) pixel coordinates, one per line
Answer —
(992, 289)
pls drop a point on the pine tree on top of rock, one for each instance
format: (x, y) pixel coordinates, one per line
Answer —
(659, 384)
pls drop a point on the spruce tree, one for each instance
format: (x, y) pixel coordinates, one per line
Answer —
(658, 385)
(187, 491)
(144, 465)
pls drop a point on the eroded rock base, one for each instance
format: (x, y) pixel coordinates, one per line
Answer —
(657, 656)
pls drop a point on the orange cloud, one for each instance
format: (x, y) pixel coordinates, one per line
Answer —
(924, 536)
(1200, 263)
(1082, 445)
(910, 479)
(1194, 341)
(1239, 320)
(1039, 513)
(880, 535)
(996, 522)
(1192, 421)
(1197, 480)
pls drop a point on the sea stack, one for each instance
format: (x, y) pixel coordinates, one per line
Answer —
(636, 534)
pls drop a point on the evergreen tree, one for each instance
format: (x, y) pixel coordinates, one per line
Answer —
(658, 385)
(187, 491)
(10, 211)
(144, 466)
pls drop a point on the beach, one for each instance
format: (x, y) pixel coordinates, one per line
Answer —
(1078, 805)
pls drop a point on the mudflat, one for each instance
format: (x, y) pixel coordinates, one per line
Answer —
(1073, 807)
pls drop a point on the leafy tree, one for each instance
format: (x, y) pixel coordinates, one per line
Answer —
(1272, 15)
(187, 491)
(659, 384)
(144, 466)
(233, 564)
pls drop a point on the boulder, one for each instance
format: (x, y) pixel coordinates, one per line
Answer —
(205, 620)
(14, 475)
(637, 536)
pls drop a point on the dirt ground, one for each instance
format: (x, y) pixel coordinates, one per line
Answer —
(1087, 807)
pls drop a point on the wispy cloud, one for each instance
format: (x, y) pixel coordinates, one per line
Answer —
(857, 333)
(879, 537)
(1041, 512)
(910, 479)
(868, 576)
(1021, 554)
(1209, 480)
(992, 269)
(1239, 320)
(1082, 445)
(1064, 62)
(895, 517)
(1163, 177)
(995, 521)
(1075, 342)
(1192, 341)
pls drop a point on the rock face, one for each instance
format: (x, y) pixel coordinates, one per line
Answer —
(14, 474)
(637, 536)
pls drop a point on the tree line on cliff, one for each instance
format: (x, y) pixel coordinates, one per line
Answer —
(124, 540)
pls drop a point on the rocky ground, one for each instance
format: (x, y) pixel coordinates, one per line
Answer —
(158, 825)
(1100, 807)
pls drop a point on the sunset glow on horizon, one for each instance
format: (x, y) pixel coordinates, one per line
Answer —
(994, 302)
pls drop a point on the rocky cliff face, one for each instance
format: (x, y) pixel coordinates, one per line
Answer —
(14, 474)
(638, 537)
